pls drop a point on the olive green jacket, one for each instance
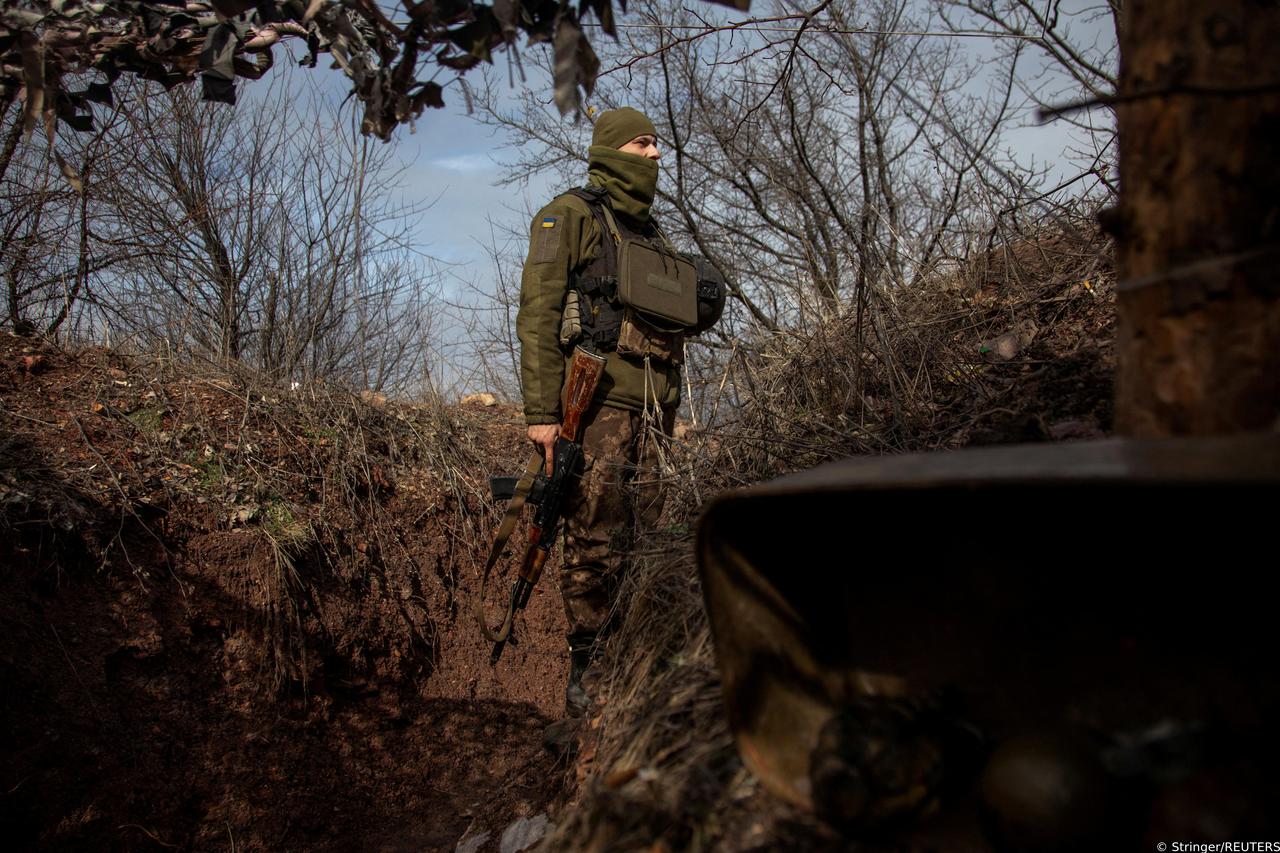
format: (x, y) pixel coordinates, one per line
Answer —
(563, 240)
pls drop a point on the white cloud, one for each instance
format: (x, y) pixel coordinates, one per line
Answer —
(464, 163)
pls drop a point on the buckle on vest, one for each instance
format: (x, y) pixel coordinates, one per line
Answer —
(606, 286)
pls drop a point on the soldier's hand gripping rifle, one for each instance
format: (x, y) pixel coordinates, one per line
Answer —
(546, 493)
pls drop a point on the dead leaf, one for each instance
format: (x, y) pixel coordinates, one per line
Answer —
(34, 363)
(72, 176)
(1012, 342)
(621, 776)
(33, 77)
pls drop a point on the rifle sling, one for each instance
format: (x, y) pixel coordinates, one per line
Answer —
(505, 529)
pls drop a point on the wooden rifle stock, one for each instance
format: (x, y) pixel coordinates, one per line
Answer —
(585, 369)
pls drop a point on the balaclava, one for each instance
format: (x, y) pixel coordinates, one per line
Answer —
(630, 179)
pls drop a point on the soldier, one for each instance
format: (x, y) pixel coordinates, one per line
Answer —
(575, 291)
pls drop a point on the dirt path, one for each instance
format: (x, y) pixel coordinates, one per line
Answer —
(172, 683)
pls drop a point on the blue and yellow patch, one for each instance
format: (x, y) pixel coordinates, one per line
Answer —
(547, 240)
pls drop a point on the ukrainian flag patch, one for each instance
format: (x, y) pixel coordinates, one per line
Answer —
(547, 241)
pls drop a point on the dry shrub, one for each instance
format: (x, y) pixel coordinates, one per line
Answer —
(661, 768)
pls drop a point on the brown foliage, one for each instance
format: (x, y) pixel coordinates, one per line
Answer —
(220, 40)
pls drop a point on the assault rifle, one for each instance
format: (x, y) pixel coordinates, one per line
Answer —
(545, 493)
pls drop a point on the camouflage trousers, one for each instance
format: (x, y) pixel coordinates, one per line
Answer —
(619, 490)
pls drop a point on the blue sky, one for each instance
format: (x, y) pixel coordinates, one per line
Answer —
(452, 159)
(448, 159)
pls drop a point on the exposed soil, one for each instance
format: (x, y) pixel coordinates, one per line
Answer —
(233, 620)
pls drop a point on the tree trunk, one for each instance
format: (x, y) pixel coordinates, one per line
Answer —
(1198, 225)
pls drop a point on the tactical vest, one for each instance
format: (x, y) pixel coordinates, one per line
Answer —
(638, 296)
(599, 310)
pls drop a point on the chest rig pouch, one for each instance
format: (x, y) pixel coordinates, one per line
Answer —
(638, 296)
(661, 286)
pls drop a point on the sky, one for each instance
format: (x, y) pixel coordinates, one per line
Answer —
(454, 161)
(449, 161)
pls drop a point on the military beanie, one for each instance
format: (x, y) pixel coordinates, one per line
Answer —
(615, 128)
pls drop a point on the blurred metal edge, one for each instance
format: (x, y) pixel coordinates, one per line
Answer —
(1249, 458)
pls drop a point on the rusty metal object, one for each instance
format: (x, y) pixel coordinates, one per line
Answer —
(1110, 591)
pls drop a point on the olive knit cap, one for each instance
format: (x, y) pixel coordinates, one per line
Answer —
(615, 128)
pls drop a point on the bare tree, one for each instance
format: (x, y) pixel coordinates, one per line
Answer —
(1197, 221)
(48, 190)
(485, 353)
(223, 234)
(242, 240)
(824, 163)
(1064, 56)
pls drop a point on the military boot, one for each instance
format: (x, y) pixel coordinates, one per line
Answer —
(576, 700)
(562, 736)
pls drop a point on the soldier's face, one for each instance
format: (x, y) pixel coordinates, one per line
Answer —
(643, 146)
